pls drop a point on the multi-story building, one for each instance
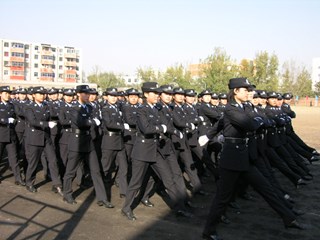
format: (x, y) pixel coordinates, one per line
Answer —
(315, 75)
(21, 61)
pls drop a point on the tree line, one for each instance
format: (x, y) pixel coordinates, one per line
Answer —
(264, 71)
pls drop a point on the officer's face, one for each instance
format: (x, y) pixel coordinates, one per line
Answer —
(241, 94)
(190, 99)
(112, 99)
(68, 99)
(206, 98)
(279, 102)
(214, 102)
(92, 97)
(166, 98)
(224, 101)
(179, 98)
(53, 97)
(250, 95)
(262, 101)
(22, 97)
(133, 99)
(255, 101)
(60, 96)
(287, 101)
(272, 102)
(5, 96)
(152, 97)
(83, 97)
(38, 97)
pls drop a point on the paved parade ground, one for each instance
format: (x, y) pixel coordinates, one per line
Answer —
(43, 215)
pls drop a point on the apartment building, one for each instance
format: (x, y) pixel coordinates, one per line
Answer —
(36, 63)
(315, 75)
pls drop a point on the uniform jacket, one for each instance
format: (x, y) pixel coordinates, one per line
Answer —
(129, 113)
(192, 117)
(65, 122)
(112, 128)
(7, 133)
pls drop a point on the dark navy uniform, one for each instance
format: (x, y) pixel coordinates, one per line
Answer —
(8, 137)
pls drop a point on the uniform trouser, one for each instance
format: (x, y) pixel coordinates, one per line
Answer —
(281, 165)
(285, 155)
(161, 168)
(225, 188)
(12, 157)
(203, 155)
(298, 140)
(108, 157)
(177, 178)
(63, 148)
(189, 168)
(33, 155)
(297, 158)
(128, 148)
(74, 160)
(300, 150)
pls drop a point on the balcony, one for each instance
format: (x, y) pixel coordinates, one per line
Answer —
(16, 59)
(47, 62)
(18, 50)
(46, 70)
(70, 64)
(46, 52)
(70, 55)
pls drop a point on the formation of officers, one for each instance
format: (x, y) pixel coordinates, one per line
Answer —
(162, 139)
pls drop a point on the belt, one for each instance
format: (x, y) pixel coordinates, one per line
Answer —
(112, 133)
(148, 136)
(67, 129)
(132, 129)
(79, 131)
(236, 140)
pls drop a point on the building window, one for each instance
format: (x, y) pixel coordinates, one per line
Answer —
(60, 75)
(6, 63)
(17, 45)
(17, 73)
(6, 44)
(6, 54)
(60, 67)
(5, 72)
(35, 74)
(36, 47)
(27, 55)
(17, 64)
(36, 65)
(53, 50)
(36, 56)
(60, 59)
(26, 46)
(46, 57)
(47, 75)
(15, 54)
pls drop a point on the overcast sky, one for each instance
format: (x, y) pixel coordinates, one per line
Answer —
(122, 35)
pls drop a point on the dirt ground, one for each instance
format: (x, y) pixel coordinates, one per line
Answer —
(44, 215)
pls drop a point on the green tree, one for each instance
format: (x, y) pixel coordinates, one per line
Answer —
(266, 73)
(177, 76)
(218, 68)
(147, 74)
(317, 88)
(303, 84)
(105, 79)
(246, 69)
(288, 77)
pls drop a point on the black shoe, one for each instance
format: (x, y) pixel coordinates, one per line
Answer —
(297, 212)
(314, 158)
(147, 203)
(300, 182)
(247, 196)
(129, 215)
(105, 203)
(122, 195)
(297, 225)
(69, 200)
(31, 189)
(57, 189)
(307, 178)
(203, 193)
(183, 213)
(234, 205)
(224, 219)
(21, 183)
(211, 237)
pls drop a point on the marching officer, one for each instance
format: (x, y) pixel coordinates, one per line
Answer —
(8, 137)
(81, 148)
(38, 140)
(112, 145)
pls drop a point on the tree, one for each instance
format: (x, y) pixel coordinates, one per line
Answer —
(177, 76)
(147, 74)
(105, 79)
(218, 68)
(303, 85)
(317, 88)
(247, 69)
(288, 77)
(266, 74)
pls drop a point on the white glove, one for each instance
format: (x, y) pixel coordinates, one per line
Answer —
(180, 135)
(193, 127)
(220, 138)
(164, 128)
(126, 126)
(203, 140)
(52, 124)
(201, 118)
(97, 121)
(10, 120)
